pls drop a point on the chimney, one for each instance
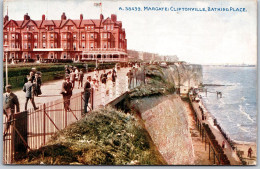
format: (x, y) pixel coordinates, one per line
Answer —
(43, 17)
(63, 16)
(6, 19)
(101, 17)
(26, 17)
(113, 17)
(81, 16)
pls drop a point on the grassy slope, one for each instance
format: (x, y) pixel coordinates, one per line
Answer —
(104, 137)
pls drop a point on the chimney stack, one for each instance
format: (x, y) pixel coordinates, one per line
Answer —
(6, 19)
(63, 16)
(113, 17)
(101, 17)
(43, 17)
(26, 17)
(81, 16)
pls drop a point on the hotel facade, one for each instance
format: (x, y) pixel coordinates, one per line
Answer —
(66, 39)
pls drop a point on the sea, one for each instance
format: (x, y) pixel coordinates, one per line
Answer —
(236, 111)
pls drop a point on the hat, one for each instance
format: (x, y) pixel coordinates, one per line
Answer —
(8, 86)
(67, 77)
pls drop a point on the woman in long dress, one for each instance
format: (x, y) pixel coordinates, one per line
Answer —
(109, 83)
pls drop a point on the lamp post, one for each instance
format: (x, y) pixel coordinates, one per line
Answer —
(6, 63)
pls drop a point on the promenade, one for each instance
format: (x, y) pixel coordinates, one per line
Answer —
(230, 153)
(51, 90)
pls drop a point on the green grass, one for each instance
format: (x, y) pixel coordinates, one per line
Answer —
(104, 137)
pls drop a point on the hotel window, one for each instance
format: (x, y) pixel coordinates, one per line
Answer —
(104, 35)
(88, 27)
(83, 44)
(29, 45)
(7, 28)
(95, 36)
(65, 45)
(64, 55)
(25, 46)
(55, 36)
(120, 36)
(66, 27)
(105, 45)
(33, 28)
(52, 28)
(13, 46)
(95, 44)
(111, 27)
(55, 45)
(55, 55)
(14, 29)
(120, 45)
(108, 35)
(35, 36)
(74, 36)
(43, 36)
(35, 45)
(16, 36)
(51, 55)
(16, 45)
(13, 36)
(71, 27)
(16, 55)
(29, 36)
(108, 45)
(105, 27)
(11, 29)
(25, 36)
(51, 35)
(29, 56)
(91, 45)
(5, 36)
(91, 35)
(64, 36)
(44, 45)
(92, 27)
(51, 45)
(83, 36)
(12, 55)
(68, 36)
(68, 45)
(108, 27)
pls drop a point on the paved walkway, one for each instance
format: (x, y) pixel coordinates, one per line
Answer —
(231, 154)
(51, 90)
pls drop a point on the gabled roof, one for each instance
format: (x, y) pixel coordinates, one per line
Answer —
(47, 23)
(86, 22)
(11, 21)
(68, 22)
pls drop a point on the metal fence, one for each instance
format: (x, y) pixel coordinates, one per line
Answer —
(32, 129)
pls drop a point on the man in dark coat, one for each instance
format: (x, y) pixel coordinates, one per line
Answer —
(81, 76)
(10, 102)
(28, 89)
(66, 92)
(38, 82)
(103, 77)
(87, 92)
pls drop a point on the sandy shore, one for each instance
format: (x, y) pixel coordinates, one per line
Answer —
(244, 149)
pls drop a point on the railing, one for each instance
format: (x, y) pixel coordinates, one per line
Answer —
(32, 129)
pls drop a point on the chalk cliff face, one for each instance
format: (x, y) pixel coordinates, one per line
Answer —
(185, 75)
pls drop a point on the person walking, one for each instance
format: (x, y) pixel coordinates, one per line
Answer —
(103, 77)
(250, 152)
(114, 76)
(28, 88)
(66, 92)
(10, 103)
(87, 92)
(38, 82)
(73, 78)
(109, 83)
(81, 76)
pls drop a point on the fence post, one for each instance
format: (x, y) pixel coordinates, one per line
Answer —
(44, 121)
(81, 97)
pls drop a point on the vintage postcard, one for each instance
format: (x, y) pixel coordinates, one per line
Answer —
(110, 82)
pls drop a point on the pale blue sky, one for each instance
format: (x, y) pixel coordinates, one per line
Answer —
(196, 37)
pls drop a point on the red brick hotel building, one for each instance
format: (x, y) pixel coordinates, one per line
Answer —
(83, 39)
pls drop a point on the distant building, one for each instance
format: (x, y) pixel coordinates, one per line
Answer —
(83, 39)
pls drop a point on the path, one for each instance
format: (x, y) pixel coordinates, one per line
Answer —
(231, 154)
(51, 90)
